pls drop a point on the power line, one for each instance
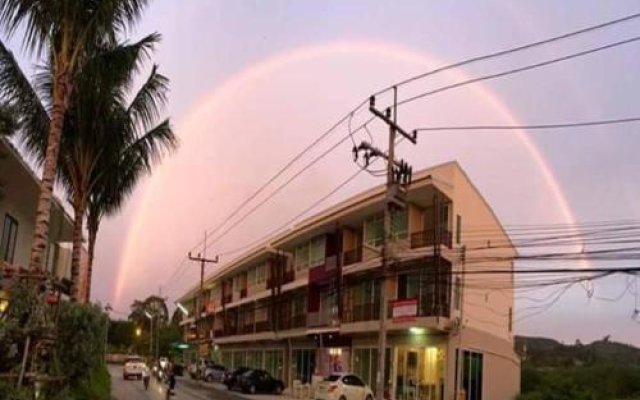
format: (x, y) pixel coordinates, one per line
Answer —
(530, 127)
(528, 67)
(511, 51)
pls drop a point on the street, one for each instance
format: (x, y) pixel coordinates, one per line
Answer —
(186, 389)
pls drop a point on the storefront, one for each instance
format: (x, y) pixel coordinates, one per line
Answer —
(415, 365)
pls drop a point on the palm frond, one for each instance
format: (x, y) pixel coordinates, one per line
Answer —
(145, 107)
(17, 92)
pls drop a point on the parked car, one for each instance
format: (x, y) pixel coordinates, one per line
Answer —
(214, 372)
(260, 381)
(133, 366)
(231, 378)
(343, 387)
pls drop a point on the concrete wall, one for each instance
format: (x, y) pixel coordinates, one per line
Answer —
(487, 299)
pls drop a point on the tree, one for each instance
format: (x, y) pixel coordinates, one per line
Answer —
(121, 168)
(106, 144)
(110, 144)
(154, 305)
(65, 32)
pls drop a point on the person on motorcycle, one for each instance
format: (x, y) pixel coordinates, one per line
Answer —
(171, 379)
(145, 376)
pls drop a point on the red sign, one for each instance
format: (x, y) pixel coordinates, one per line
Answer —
(404, 310)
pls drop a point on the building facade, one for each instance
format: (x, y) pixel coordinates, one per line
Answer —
(308, 301)
(19, 189)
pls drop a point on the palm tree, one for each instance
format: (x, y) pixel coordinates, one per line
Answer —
(65, 31)
(107, 144)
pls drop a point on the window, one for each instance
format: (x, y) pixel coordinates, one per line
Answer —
(472, 364)
(302, 257)
(399, 225)
(251, 276)
(352, 380)
(374, 231)
(457, 293)
(317, 248)
(458, 228)
(299, 306)
(408, 286)
(260, 274)
(9, 236)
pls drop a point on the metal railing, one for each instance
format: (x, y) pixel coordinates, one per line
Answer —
(352, 256)
(428, 238)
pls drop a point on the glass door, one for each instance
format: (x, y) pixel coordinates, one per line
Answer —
(419, 373)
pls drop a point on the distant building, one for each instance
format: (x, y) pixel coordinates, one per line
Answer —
(19, 189)
(307, 302)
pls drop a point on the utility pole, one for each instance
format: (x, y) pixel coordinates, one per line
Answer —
(460, 355)
(398, 179)
(202, 258)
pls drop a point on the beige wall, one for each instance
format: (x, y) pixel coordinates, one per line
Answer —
(20, 191)
(487, 298)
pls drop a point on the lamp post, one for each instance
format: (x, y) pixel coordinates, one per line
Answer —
(107, 310)
(148, 315)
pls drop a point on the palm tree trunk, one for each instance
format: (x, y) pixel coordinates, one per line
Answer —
(79, 208)
(43, 211)
(92, 226)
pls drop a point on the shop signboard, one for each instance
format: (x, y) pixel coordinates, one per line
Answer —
(404, 310)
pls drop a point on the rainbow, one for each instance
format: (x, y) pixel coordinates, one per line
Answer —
(242, 81)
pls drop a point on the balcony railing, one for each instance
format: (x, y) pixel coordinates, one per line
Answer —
(427, 238)
(294, 322)
(288, 276)
(317, 318)
(243, 293)
(363, 312)
(227, 298)
(263, 326)
(352, 256)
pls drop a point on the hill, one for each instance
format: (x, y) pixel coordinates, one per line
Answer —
(601, 370)
(545, 352)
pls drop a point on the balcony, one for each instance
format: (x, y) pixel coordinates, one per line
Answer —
(324, 273)
(263, 326)
(352, 256)
(288, 276)
(315, 319)
(246, 329)
(227, 298)
(363, 312)
(427, 238)
(243, 293)
(294, 322)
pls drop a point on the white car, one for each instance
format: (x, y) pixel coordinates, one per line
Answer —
(133, 366)
(343, 387)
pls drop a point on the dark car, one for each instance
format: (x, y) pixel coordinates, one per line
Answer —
(231, 379)
(260, 381)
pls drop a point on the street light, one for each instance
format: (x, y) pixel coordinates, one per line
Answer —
(138, 332)
(108, 310)
(4, 302)
(148, 315)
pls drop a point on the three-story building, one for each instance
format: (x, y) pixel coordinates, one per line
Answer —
(307, 302)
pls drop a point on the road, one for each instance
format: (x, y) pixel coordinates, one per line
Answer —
(186, 389)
